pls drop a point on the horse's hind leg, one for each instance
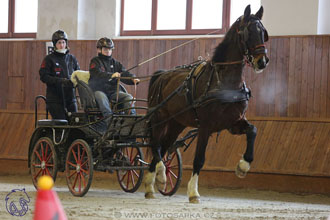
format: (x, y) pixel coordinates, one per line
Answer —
(157, 170)
(244, 127)
(149, 180)
(192, 189)
(173, 130)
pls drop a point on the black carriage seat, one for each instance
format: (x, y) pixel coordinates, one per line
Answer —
(86, 94)
(46, 122)
(51, 122)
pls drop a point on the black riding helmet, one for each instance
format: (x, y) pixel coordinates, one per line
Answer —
(59, 35)
(105, 42)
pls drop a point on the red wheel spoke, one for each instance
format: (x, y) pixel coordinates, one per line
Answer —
(47, 170)
(130, 156)
(78, 149)
(122, 178)
(136, 174)
(74, 155)
(34, 164)
(132, 177)
(72, 164)
(49, 165)
(85, 171)
(75, 182)
(79, 183)
(47, 146)
(72, 174)
(171, 181)
(83, 179)
(127, 182)
(132, 159)
(49, 156)
(127, 153)
(38, 155)
(173, 156)
(82, 155)
(42, 150)
(173, 174)
(35, 176)
(83, 164)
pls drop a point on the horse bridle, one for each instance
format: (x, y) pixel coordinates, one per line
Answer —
(243, 33)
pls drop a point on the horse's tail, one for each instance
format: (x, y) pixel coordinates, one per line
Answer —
(155, 77)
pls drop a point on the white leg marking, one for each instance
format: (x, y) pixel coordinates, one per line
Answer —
(160, 175)
(192, 190)
(242, 168)
(149, 182)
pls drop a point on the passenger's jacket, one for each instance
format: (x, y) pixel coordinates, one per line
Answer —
(101, 69)
(55, 68)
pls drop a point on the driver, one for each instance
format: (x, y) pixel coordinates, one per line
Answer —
(104, 71)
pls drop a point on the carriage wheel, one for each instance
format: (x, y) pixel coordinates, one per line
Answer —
(173, 164)
(130, 180)
(43, 160)
(79, 168)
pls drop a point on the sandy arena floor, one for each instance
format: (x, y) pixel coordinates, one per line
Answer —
(105, 200)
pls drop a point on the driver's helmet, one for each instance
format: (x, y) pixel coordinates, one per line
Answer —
(59, 35)
(105, 42)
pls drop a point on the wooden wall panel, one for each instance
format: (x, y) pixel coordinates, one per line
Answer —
(295, 84)
(283, 147)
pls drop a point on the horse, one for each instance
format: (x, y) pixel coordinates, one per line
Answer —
(210, 96)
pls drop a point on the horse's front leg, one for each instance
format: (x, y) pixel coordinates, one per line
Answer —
(244, 127)
(199, 160)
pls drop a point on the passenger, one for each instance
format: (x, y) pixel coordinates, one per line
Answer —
(104, 70)
(55, 71)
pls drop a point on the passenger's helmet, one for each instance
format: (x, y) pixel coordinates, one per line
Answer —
(105, 42)
(59, 35)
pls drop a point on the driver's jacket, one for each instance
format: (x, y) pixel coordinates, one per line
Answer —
(54, 68)
(101, 69)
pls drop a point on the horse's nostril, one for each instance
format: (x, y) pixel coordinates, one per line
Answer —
(262, 63)
(267, 60)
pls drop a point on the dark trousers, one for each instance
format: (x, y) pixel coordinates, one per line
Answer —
(57, 110)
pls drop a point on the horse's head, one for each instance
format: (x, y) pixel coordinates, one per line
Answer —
(253, 36)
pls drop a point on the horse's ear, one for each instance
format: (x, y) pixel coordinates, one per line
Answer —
(247, 13)
(260, 13)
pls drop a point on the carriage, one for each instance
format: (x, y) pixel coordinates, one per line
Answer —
(84, 143)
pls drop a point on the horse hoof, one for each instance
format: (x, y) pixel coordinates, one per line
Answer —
(160, 185)
(149, 195)
(240, 173)
(194, 199)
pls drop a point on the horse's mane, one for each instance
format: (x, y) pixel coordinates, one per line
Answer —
(155, 77)
(221, 49)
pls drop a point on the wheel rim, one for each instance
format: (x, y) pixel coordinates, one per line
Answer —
(78, 168)
(130, 180)
(173, 166)
(43, 160)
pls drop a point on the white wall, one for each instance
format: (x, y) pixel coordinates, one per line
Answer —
(105, 17)
(290, 17)
(55, 15)
(80, 19)
(93, 19)
(324, 17)
(86, 19)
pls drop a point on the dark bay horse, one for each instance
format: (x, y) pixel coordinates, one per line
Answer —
(210, 96)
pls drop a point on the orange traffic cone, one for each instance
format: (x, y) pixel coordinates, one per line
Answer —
(47, 205)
